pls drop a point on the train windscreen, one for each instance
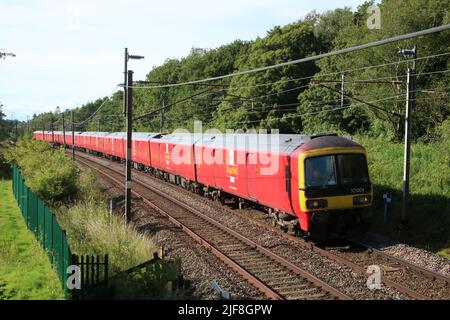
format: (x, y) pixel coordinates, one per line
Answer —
(331, 170)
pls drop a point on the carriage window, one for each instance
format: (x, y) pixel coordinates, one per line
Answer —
(352, 168)
(320, 171)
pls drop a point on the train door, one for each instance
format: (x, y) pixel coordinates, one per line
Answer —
(252, 175)
(134, 142)
(148, 153)
(215, 169)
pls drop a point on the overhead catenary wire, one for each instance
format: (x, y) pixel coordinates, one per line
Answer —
(106, 99)
(262, 96)
(321, 103)
(316, 57)
(171, 104)
(244, 98)
(312, 58)
(327, 74)
(321, 111)
(207, 92)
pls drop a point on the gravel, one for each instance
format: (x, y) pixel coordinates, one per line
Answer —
(198, 266)
(411, 254)
(340, 277)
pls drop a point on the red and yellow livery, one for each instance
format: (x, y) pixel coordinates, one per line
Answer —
(311, 185)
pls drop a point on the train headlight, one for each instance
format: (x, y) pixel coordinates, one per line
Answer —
(361, 200)
(316, 204)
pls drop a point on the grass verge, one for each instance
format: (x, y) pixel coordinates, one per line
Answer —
(428, 224)
(92, 230)
(25, 271)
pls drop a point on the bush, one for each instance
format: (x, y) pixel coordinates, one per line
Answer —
(92, 230)
(5, 168)
(49, 173)
(444, 133)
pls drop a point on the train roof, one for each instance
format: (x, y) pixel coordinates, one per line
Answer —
(95, 133)
(285, 143)
(144, 136)
(141, 136)
(181, 138)
(329, 141)
(282, 142)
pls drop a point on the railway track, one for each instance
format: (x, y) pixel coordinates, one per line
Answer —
(272, 274)
(412, 280)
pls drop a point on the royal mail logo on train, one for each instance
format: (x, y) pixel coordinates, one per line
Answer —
(232, 171)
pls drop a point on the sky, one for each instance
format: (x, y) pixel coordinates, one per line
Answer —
(71, 52)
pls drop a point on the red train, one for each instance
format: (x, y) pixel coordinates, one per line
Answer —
(310, 185)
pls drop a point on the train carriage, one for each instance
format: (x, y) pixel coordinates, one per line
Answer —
(38, 135)
(155, 147)
(313, 185)
(115, 144)
(248, 167)
(140, 148)
(176, 155)
(97, 141)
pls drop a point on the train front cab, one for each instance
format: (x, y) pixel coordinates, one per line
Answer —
(334, 190)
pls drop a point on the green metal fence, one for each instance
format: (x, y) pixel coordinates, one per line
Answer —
(44, 224)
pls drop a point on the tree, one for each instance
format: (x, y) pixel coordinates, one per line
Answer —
(267, 105)
(397, 17)
(2, 123)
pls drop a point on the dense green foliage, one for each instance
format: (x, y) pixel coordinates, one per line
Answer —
(48, 172)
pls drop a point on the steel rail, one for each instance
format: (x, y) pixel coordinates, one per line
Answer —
(247, 275)
(345, 262)
(340, 260)
(269, 292)
(433, 275)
